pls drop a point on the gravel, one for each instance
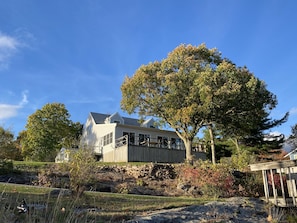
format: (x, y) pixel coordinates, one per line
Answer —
(236, 209)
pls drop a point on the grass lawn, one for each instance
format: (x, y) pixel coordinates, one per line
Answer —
(91, 207)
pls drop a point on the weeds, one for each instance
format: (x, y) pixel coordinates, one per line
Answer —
(46, 207)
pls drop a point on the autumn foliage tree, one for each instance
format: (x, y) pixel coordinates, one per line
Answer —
(195, 87)
(47, 130)
(170, 90)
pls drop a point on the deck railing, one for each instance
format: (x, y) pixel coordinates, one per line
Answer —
(119, 142)
(279, 181)
(124, 140)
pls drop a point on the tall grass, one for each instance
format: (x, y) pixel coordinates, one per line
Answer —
(48, 207)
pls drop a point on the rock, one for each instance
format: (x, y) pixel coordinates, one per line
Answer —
(238, 209)
(162, 171)
(184, 187)
(25, 178)
(60, 192)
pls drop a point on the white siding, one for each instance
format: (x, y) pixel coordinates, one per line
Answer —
(93, 133)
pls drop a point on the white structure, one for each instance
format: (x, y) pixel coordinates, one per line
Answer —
(64, 155)
(292, 154)
(120, 139)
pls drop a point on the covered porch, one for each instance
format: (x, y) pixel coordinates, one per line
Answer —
(150, 152)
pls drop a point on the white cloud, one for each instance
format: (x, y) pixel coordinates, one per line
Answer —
(7, 42)
(8, 47)
(11, 110)
(8, 111)
(24, 99)
(293, 111)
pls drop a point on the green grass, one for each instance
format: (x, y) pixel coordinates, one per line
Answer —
(28, 166)
(113, 207)
(23, 189)
(31, 163)
(42, 164)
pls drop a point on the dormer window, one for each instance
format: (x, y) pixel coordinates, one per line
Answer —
(149, 123)
(107, 120)
(114, 118)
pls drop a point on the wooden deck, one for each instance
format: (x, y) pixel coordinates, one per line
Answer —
(279, 181)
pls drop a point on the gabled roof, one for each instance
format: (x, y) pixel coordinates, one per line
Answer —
(100, 118)
(148, 123)
(293, 151)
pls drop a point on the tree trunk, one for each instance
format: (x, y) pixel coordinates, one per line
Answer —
(212, 145)
(189, 156)
(235, 142)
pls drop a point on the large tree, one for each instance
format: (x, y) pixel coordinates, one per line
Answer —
(8, 148)
(47, 130)
(171, 91)
(192, 88)
(240, 104)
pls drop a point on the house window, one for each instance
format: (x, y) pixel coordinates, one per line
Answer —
(89, 129)
(178, 143)
(131, 137)
(172, 143)
(107, 139)
(162, 141)
(143, 139)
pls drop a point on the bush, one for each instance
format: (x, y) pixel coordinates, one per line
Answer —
(82, 171)
(211, 180)
(249, 183)
(6, 166)
(239, 161)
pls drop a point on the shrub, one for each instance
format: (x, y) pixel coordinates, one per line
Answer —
(239, 161)
(123, 188)
(140, 183)
(82, 171)
(249, 183)
(211, 180)
(6, 166)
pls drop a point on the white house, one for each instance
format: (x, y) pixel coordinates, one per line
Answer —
(292, 154)
(114, 138)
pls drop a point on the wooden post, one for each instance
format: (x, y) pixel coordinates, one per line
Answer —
(282, 186)
(292, 188)
(273, 187)
(265, 182)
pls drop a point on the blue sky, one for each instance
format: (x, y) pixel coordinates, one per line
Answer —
(77, 52)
